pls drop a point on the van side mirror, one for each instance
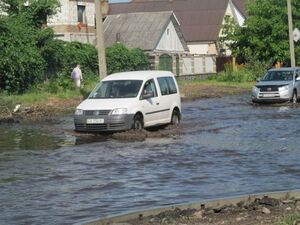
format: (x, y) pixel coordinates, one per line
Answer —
(147, 94)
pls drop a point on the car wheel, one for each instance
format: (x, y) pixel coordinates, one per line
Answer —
(295, 97)
(175, 120)
(138, 122)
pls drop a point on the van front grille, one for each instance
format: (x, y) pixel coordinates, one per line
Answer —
(100, 127)
(96, 112)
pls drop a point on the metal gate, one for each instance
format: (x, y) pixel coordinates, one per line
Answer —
(165, 62)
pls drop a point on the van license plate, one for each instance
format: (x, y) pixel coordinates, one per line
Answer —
(93, 121)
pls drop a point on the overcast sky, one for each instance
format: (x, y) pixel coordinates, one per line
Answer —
(114, 1)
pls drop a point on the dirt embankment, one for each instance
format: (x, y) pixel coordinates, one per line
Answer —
(193, 91)
(265, 210)
(41, 111)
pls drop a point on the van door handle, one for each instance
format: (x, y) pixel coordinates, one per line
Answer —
(157, 103)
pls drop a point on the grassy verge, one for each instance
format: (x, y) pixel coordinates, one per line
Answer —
(42, 96)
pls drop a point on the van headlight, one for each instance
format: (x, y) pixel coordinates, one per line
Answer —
(119, 111)
(284, 88)
(78, 112)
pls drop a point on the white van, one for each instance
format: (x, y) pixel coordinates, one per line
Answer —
(130, 100)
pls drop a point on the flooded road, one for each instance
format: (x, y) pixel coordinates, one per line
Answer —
(228, 147)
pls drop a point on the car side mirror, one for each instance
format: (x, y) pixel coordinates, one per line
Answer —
(258, 79)
(147, 94)
(298, 79)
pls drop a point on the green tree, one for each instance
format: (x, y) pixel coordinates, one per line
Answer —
(264, 36)
(35, 11)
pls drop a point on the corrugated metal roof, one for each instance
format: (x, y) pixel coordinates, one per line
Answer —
(137, 30)
(200, 20)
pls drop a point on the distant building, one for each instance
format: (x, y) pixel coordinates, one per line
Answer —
(200, 20)
(75, 20)
(157, 33)
(178, 35)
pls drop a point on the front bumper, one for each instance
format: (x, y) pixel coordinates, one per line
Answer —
(265, 100)
(271, 97)
(108, 123)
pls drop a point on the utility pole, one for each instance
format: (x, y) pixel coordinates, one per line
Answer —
(292, 49)
(100, 40)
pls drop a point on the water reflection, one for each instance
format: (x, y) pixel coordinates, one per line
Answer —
(22, 138)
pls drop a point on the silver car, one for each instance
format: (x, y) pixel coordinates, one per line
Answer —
(278, 85)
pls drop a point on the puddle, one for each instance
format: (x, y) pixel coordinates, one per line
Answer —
(224, 147)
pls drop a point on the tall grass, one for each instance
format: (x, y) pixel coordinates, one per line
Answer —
(290, 219)
(245, 73)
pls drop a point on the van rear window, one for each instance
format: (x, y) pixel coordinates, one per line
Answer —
(167, 85)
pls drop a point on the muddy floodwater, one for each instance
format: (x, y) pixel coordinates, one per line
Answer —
(226, 147)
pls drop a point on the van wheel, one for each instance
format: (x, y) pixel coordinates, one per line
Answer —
(175, 120)
(138, 122)
(294, 99)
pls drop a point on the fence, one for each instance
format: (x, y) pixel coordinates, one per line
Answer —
(198, 64)
(185, 64)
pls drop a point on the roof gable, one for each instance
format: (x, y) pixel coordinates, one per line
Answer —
(137, 30)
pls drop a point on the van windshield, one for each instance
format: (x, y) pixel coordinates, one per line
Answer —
(278, 76)
(117, 89)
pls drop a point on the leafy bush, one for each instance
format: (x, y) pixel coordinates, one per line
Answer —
(53, 51)
(21, 63)
(119, 58)
(84, 54)
(59, 84)
(258, 68)
(63, 56)
(249, 72)
(137, 59)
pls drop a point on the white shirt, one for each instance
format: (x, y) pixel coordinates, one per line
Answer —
(76, 74)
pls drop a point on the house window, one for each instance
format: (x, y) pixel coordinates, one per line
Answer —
(81, 13)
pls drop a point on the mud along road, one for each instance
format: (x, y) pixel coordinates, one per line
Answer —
(225, 147)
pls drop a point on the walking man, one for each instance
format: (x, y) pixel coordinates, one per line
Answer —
(76, 75)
